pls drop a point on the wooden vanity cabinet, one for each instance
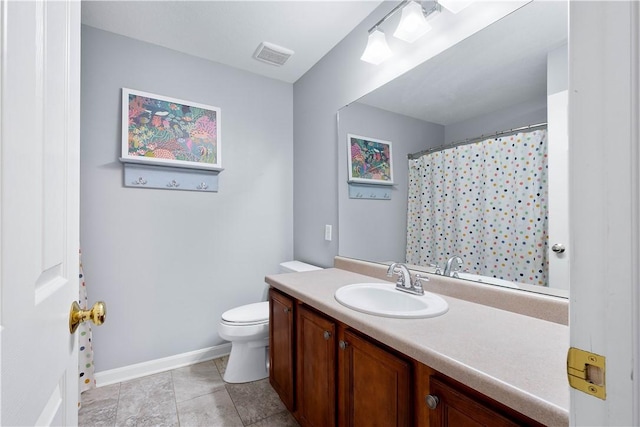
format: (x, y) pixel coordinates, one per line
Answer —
(282, 347)
(316, 368)
(344, 378)
(447, 403)
(374, 384)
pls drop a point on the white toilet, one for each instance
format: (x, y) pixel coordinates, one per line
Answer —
(247, 327)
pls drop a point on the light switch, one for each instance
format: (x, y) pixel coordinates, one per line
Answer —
(327, 233)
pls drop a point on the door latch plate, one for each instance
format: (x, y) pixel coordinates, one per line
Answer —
(586, 372)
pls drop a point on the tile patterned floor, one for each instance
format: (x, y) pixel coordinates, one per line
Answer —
(194, 395)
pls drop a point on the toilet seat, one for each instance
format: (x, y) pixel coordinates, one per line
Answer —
(247, 329)
(247, 322)
(247, 315)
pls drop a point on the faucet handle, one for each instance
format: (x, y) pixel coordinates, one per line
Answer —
(457, 268)
(417, 284)
(437, 267)
(416, 287)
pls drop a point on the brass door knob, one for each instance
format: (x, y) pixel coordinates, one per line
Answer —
(97, 315)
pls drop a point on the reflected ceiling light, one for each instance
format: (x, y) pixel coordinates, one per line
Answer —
(455, 6)
(377, 50)
(413, 23)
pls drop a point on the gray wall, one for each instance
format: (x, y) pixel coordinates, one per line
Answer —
(558, 70)
(376, 230)
(524, 114)
(168, 263)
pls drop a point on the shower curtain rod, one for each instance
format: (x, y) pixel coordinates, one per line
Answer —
(474, 140)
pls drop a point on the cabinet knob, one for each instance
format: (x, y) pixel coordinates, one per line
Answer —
(286, 309)
(432, 401)
(327, 335)
(342, 344)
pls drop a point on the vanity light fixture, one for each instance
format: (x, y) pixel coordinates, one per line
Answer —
(377, 50)
(413, 25)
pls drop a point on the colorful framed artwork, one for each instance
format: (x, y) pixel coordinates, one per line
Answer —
(370, 160)
(166, 131)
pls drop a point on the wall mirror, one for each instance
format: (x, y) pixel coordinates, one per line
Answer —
(504, 79)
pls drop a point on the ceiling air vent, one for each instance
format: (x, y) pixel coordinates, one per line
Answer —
(272, 54)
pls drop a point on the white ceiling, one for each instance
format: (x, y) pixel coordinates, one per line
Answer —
(229, 32)
(501, 66)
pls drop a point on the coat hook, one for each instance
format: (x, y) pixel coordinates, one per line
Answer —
(139, 181)
(173, 184)
(202, 186)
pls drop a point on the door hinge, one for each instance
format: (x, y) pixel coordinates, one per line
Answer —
(586, 372)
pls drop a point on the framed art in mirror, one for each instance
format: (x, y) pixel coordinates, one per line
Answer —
(370, 160)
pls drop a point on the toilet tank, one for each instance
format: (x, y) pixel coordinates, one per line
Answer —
(296, 267)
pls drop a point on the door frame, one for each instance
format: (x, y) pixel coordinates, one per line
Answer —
(604, 203)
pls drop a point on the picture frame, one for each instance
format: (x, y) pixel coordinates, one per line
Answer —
(161, 130)
(370, 160)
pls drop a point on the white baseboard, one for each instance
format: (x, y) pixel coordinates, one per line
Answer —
(113, 376)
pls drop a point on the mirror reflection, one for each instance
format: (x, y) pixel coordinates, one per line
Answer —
(480, 144)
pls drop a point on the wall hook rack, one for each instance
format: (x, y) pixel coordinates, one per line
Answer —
(170, 178)
(372, 192)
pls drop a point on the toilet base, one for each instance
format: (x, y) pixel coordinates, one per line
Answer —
(247, 362)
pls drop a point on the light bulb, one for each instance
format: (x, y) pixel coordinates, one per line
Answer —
(377, 49)
(413, 23)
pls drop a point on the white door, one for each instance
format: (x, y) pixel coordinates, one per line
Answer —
(39, 190)
(604, 159)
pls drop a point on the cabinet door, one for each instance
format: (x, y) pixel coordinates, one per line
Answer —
(374, 385)
(454, 408)
(316, 369)
(281, 347)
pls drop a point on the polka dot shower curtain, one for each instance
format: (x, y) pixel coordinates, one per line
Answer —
(85, 353)
(486, 202)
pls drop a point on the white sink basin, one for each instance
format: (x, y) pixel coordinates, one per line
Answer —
(382, 299)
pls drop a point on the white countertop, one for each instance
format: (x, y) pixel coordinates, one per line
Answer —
(517, 360)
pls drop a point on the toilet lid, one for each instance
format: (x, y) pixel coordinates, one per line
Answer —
(250, 313)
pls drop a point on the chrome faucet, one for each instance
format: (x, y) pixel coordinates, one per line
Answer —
(404, 282)
(452, 269)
